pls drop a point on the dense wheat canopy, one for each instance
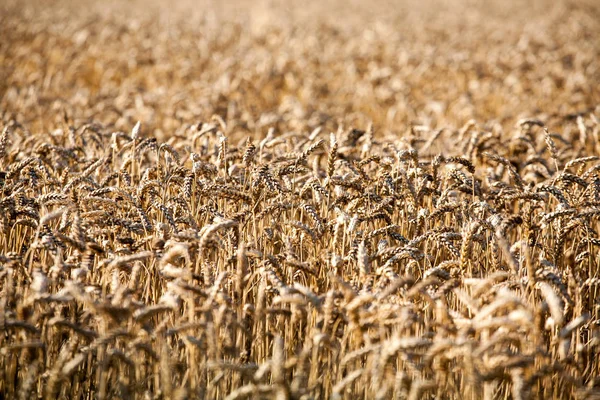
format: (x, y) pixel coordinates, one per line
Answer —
(300, 200)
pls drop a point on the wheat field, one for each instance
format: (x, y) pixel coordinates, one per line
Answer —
(300, 200)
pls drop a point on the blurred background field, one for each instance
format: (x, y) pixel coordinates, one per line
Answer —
(265, 63)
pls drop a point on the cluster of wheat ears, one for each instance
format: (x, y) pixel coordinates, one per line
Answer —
(266, 231)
